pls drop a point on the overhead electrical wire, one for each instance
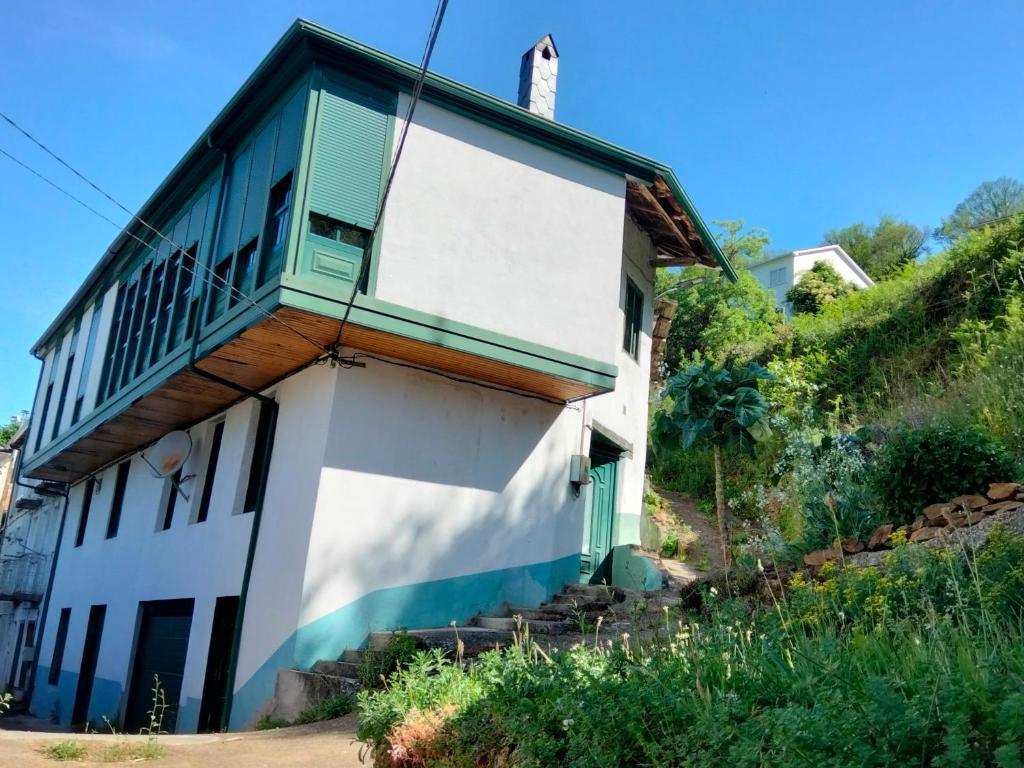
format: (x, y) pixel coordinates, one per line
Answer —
(330, 353)
(435, 29)
(135, 217)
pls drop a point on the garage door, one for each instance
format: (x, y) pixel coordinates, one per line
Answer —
(160, 650)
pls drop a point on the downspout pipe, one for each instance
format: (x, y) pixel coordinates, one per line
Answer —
(267, 402)
(257, 518)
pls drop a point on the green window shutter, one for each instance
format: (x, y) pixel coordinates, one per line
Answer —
(288, 136)
(348, 155)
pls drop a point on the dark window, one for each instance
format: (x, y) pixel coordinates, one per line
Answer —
(59, 416)
(90, 350)
(180, 317)
(219, 288)
(30, 634)
(163, 317)
(153, 302)
(83, 516)
(137, 325)
(65, 384)
(262, 446)
(41, 424)
(111, 351)
(276, 230)
(211, 472)
(245, 270)
(58, 646)
(115, 506)
(123, 336)
(172, 500)
(325, 226)
(634, 319)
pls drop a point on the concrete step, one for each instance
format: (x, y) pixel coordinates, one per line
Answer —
(475, 640)
(337, 668)
(296, 690)
(595, 592)
(543, 613)
(537, 627)
(581, 602)
(353, 655)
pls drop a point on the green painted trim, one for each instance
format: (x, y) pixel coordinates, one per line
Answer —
(228, 326)
(413, 606)
(305, 42)
(373, 313)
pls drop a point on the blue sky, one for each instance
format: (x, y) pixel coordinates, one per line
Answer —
(796, 116)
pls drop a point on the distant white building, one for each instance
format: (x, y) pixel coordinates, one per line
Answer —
(780, 273)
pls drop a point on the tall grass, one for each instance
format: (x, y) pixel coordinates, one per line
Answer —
(922, 664)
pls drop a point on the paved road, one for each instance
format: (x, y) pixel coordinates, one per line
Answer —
(311, 746)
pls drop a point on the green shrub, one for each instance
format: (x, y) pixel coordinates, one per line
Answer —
(917, 467)
(861, 667)
(328, 709)
(819, 286)
(376, 666)
(268, 723)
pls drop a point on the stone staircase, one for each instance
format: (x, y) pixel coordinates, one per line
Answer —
(574, 615)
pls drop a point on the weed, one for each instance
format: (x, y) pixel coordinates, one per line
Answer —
(327, 709)
(268, 723)
(376, 666)
(64, 751)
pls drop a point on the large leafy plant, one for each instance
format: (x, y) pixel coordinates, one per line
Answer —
(717, 405)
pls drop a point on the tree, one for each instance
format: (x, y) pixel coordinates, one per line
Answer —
(8, 431)
(718, 318)
(720, 406)
(820, 285)
(883, 249)
(990, 202)
(741, 247)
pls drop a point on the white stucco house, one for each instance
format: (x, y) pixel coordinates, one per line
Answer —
(30, 515)
(383, 432)
(780, 273)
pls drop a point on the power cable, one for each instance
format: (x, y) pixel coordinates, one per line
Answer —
(178, 247)
(435, 29)
(135, 217)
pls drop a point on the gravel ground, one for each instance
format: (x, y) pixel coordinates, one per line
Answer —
(331, 743)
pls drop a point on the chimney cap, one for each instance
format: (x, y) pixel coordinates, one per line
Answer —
(547, 42)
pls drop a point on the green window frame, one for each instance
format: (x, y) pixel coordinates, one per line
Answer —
(634, 312)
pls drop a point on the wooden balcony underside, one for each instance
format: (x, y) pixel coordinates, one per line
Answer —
(260, 356)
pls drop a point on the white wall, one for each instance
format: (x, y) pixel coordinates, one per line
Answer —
(200, 560)
(426, 479)
(275, 591)
(763, 273)
(623, 413)
(804, 260)
(490, 230)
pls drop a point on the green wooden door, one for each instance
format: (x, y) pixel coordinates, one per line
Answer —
(160, 651)
(598, 519)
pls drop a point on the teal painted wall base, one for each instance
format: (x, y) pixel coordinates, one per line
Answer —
(632, 571)
(414, 606)
(55, 702)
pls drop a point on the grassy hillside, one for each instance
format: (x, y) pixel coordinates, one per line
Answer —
(932, 356)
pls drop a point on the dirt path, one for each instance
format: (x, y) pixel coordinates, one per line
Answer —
(310, 746)
(708, 547)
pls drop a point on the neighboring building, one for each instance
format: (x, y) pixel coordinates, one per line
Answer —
(503, 327)
(780, 273)
(29, 525)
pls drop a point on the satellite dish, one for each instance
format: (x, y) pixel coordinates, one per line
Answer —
(169, 454)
